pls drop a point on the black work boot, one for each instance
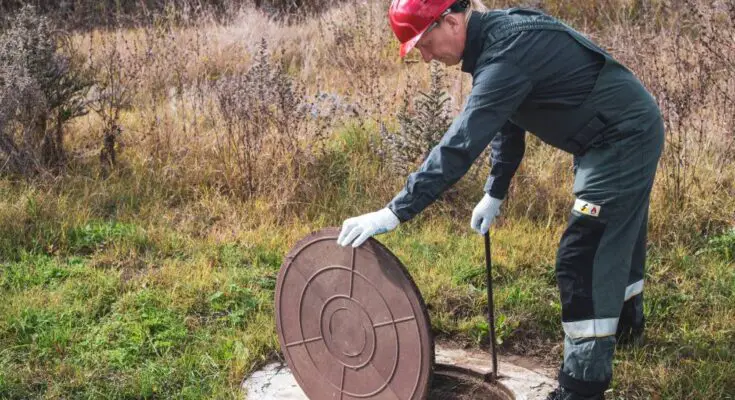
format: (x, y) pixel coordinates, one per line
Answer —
(628, 335)
(562, 393)
(632, 323)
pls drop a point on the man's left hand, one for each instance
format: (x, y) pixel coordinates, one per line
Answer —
(484, 213)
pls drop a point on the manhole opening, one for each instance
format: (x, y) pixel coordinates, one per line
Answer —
(455, 383)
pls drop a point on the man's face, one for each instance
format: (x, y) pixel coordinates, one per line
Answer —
(445, 42)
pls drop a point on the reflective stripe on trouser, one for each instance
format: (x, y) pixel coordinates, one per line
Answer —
(601, 255)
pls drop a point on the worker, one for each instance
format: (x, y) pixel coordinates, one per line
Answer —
(533, 73)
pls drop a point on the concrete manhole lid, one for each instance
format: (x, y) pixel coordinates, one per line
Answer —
(351, 322)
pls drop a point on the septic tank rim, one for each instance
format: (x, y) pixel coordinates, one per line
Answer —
(501, 391)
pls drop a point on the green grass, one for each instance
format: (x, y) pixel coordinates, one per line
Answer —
(83, 317)
(71, 329)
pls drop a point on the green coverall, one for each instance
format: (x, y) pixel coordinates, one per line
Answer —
(533, 73)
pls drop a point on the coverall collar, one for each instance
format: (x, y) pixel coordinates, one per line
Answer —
(473, 43)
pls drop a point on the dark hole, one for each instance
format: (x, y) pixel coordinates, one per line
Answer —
(454, 385)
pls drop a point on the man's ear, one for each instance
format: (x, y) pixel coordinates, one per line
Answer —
(454, 20)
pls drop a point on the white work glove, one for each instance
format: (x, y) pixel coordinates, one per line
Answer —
(366, 225)
(484, 213)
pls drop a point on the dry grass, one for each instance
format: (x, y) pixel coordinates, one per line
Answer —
(344, 59)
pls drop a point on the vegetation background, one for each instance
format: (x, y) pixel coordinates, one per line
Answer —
(159, 157)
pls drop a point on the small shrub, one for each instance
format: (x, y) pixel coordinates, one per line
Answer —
(42, 87)
(421, 128)
(117, 81)
(269, 137)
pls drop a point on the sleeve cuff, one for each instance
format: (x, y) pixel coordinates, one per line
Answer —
(402, 216)
(495, 190)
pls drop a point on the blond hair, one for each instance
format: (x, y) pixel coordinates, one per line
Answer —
(477, 5)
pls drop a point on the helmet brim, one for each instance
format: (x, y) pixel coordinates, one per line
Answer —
(407, 46)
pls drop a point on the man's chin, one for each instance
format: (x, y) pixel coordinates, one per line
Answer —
(449, 63)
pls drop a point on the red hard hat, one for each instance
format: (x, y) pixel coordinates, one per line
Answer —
(409, 19)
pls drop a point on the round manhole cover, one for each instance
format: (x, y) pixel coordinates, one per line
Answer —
(351, 322)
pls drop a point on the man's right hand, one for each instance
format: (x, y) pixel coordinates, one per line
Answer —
(484, 213)
(357, 230)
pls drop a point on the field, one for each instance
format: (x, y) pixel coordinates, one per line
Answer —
(140, 260)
